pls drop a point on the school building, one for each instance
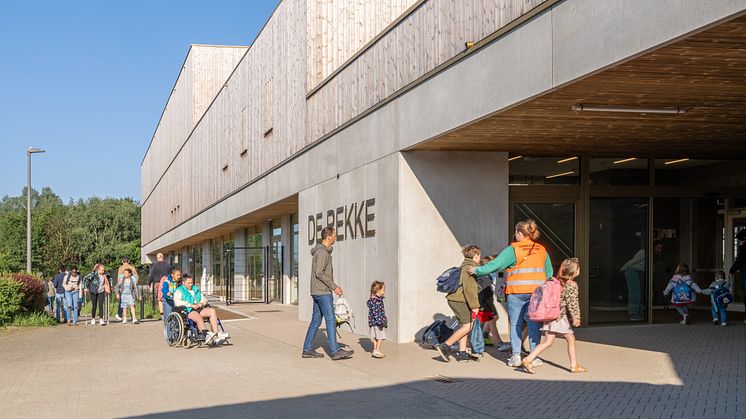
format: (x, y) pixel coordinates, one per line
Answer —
(418, 126)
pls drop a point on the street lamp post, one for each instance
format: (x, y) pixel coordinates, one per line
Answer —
(29, 152)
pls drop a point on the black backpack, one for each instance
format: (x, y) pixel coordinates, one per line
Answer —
(438, 332)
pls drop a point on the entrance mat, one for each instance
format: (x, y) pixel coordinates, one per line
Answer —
(229, 315)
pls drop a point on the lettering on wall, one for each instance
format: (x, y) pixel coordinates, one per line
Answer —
(351, 221)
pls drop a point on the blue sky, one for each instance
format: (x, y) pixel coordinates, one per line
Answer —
(87, 81)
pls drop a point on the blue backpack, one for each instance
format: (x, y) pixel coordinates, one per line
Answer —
(438, 332)
(449, 281)
(682, 294)
(722, 296)
(476, 337)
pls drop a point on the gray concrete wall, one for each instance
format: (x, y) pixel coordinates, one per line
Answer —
(359, 261)
(446, 201)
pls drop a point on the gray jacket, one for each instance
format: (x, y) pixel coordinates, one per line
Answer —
(322, 272)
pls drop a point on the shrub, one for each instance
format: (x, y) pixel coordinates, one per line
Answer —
(36, 319)
(32, 289)
(11, 298)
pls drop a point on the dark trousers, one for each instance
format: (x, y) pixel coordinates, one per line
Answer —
(97, 299)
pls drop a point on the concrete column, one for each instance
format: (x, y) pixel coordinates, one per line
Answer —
(184, 260)
(206, 274)
(240, 291)
(287, 243)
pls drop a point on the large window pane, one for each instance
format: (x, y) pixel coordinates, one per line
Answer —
(529, 171)
(617, 271)
(556, 222)
(619, 171)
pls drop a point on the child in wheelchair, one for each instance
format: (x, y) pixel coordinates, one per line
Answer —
(190, 300)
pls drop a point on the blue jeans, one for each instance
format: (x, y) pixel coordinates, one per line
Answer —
(322, 307)
(167, 308)
(634, 293)
(50, 303)
(60, 306)
(683, 310)
(71, 305)
(517, 308)
(718, 313)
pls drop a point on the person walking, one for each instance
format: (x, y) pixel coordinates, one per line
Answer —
(527, 265)
(51, 294)
(120, 276)
(127, 294)
(159, 269)
(98, 287)
(72, 284)
(322, 287)
(569, 318)
(59, 293)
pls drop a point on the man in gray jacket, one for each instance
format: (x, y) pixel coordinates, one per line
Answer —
(322, 286)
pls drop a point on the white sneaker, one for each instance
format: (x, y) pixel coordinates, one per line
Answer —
(514, 361)
(124, 321)
(723, 324)
(135, 321)
(119, 318)
(224, 335)
(102, 322)
(93, 321)
(209, 338)
(537, 362)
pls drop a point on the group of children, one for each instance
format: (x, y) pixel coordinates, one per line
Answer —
(681, 286)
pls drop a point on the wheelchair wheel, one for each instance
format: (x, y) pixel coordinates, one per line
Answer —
(174, 329)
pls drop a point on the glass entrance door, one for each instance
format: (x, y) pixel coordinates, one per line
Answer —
(556, 222)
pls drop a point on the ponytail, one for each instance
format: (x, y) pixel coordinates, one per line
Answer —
(529, 229)
(568, 270)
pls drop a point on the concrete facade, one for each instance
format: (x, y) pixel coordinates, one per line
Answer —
(429, 204)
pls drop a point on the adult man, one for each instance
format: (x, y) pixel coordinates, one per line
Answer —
(739, 265)
(322, 286)
(59, 287)
(159, 269)
(120, 277)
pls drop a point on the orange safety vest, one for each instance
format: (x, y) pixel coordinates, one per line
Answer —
(528, 273)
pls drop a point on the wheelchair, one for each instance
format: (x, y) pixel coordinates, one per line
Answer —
(180, 331)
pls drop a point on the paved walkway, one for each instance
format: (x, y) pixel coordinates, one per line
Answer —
(127, 370)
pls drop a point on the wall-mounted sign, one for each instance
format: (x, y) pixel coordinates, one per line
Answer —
(350, 221)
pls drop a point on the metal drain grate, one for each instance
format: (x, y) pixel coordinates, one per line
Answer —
(443, 379)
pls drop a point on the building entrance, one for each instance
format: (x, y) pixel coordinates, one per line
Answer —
(259, 279)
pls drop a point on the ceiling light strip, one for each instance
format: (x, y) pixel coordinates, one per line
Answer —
(676, 161)
(629, 109)
(571, 172)
(625, 160)
(567, 160)
(515, 158)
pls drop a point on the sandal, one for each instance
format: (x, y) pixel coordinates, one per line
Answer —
(578, 370)
(528, 367)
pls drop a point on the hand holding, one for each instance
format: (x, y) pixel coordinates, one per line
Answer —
(575, 322)
(471, 270)
(338, 291)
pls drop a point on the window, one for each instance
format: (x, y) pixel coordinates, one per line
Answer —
(529, 170)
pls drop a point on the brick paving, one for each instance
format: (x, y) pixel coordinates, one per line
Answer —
(659, 371)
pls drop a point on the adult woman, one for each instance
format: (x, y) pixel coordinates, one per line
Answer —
(98, 287)
(127, 294)
(72, 291)
(527, 265)
(189, 296)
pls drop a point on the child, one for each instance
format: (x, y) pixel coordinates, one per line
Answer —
(719, 312)
(126, 291)
(569, 306)
(465, 305)
(487, 310)
(377, 317)
(682, 277)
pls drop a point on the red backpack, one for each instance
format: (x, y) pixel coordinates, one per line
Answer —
(544, 305)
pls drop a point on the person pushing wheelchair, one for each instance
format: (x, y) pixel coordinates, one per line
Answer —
(188, 297)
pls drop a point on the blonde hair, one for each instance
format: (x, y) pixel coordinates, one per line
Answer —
(569, 269)
(682, 269)
(528, 228)
(470, 251)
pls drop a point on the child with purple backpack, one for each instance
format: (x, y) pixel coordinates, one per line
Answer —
(562, 326)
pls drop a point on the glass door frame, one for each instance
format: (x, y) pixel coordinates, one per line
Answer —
(559, 195)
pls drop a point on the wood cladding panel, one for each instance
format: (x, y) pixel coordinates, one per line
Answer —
(706, 72)
(337, 29)
(430, 36)
(204, 71)
(234, 122)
